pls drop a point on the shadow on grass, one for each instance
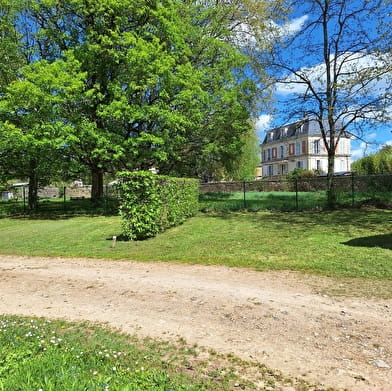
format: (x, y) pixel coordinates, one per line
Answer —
(341, 219)
(55, 210)
(382, 241)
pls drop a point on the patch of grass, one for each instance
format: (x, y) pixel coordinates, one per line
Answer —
(343, 243)
(38, 354)
(57, 207)
(287, 201)
(283, 201)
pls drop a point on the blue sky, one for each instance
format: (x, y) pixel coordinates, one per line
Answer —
(374, 135)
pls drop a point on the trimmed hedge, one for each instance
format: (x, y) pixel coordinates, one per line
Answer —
(151, 203)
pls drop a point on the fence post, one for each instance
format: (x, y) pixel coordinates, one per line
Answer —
(296, 194)
(352, 190)
(24, 200)
(64, 196)
(244, 189)
(106, 198)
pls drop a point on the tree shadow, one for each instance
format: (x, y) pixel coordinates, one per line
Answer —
(382, 241)
(342, 219)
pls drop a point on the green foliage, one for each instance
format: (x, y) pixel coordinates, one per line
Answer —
(162, 87)
(39, 354)
(32, 128)
(130, 85)
(378, 163)
(10, 46)
(152, 203)
(243, 167)
(300, 173)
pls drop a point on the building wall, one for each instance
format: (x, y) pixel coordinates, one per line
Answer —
(304, 151)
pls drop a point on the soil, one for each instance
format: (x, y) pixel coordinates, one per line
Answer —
(276, 318)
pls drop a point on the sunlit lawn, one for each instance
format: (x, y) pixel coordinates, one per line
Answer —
(355, 243)
(38, 354)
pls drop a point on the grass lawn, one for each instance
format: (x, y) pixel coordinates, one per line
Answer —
(283, 201)
(343, 243)
(38, 354)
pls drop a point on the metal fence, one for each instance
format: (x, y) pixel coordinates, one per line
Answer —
(297, 194)
(62, 199)
(271, 193)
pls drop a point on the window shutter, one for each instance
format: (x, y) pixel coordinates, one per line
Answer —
(291, 149)
(264, 157)
(274, 153)
(304, 149)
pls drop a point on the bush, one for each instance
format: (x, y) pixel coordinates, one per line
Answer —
(151, 203)
(300, 173)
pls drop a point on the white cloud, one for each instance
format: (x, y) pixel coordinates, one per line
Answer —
(352, 67)
(364, 149)
(246, 34)
(293, 27)
(263, 123)
(358, 152)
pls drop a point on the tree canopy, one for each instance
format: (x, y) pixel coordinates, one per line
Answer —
(377, 163)
(127, 84)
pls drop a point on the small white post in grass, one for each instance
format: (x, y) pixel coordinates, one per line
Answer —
(114, 239)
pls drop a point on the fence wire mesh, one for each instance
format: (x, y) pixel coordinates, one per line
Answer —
(296, 194)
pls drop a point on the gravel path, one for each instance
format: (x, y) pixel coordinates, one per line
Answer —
(272, 317)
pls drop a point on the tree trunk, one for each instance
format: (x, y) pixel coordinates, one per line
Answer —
(97, 184)
(33, 191)
(331, 194)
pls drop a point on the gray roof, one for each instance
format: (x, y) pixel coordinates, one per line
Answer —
(295, 129)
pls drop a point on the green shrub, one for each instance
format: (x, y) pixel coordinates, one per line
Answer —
(151, 203)
(300, 173)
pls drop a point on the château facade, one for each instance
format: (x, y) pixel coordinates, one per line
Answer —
(300, 145)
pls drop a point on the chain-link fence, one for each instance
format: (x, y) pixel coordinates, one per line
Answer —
(296, 194)
(265, 194)
(52, 199)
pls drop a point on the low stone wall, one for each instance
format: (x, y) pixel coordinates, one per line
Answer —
(80, 191)
(49, 192)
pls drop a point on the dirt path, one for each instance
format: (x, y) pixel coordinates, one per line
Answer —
(272, 317)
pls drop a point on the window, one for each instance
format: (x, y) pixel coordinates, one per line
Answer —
(281, 150)
(291, 149)
(274, 153)
(318, 165)
(299, 164)
(298, 148)
(316, 147)
(270, 171)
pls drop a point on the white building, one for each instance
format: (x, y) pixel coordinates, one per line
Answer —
(300, 145)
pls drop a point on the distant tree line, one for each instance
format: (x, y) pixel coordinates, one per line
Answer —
(377, 163)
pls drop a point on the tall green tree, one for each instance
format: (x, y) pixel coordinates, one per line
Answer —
(165, 84)
(245, 165)
(10, 48)
(377, 163)
(32, 129)
(164, 87)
